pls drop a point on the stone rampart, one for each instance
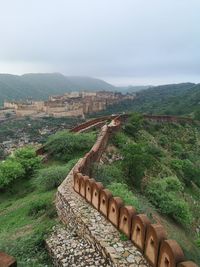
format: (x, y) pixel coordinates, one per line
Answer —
(150, 239)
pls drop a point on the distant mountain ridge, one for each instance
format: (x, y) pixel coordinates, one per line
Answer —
(41, 85)
(176, 99)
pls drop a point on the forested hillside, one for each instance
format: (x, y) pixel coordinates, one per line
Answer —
(41, 85)
(172, 99)
(177, 99)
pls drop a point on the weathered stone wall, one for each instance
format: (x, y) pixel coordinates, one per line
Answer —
(150, 239)
(89, 224)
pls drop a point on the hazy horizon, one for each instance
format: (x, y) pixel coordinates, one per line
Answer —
(126, 42)
(116, 81)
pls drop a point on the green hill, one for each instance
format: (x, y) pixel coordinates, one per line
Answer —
(41, 85)
(172, 99)
(177, 99)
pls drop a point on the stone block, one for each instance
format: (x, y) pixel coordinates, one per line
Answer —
(154, 235)
(170, 254)
(115, 203)
(187, 264)
(97, 187)
(89, 188)
(138, 232)
(83, 180)
(105, 196)
(7, 260)
(125, 219)
(77, 177)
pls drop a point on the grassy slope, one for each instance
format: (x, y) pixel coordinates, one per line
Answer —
(21, 235)
(27, 210)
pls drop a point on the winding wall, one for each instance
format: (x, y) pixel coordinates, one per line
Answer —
(150, 239)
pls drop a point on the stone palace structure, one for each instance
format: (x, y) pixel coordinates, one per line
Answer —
(67, 105)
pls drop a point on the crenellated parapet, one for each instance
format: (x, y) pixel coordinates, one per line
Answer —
(150, 239)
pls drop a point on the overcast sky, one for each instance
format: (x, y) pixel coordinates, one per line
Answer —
(122, 41)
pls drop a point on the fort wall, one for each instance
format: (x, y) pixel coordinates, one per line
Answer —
(150, 239)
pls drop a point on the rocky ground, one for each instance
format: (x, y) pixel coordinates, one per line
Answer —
(87, 238)
(68, 249)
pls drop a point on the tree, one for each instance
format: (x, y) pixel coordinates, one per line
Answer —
(166, 195)
(136, 160)
(134, 124)
(27, 157)
(10, 171)
(51, 177)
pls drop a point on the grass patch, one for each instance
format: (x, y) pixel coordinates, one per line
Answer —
(121, 190)
(123, 237)
(25, 220)
(51, 177)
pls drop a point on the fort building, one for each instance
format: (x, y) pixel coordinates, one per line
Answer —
(67, 105)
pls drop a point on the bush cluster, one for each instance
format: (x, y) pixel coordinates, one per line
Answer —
(165, 194)
(23, 163)
(137, 159)
(51, 177)
(187, 171)
(135, 123)
(10, 171)
(65, 146)
(122, 190)
(107, 173)
(27, 157)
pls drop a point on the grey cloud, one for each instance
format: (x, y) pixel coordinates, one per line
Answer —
(116, 38)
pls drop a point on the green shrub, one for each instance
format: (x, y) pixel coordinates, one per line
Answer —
(135, 122)
(191, 173)
(65, 146)
(121, 190)
(42, 206)
(38, 207)
(198, 241)
(51, 177)
(123, 237)
(29, 249)
(165, 194)
(187, 171)
(119, 139)
(197, 114)
(155, 151)
(10, 171)
(2, 153)
(107, 173)
(137, 160)
(163, 141)
(27, 157)
(177, 149)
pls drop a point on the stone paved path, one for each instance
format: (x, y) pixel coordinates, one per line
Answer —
(68, 249)
(90, 233)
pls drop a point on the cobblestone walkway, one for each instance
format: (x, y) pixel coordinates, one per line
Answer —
(68, 249)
